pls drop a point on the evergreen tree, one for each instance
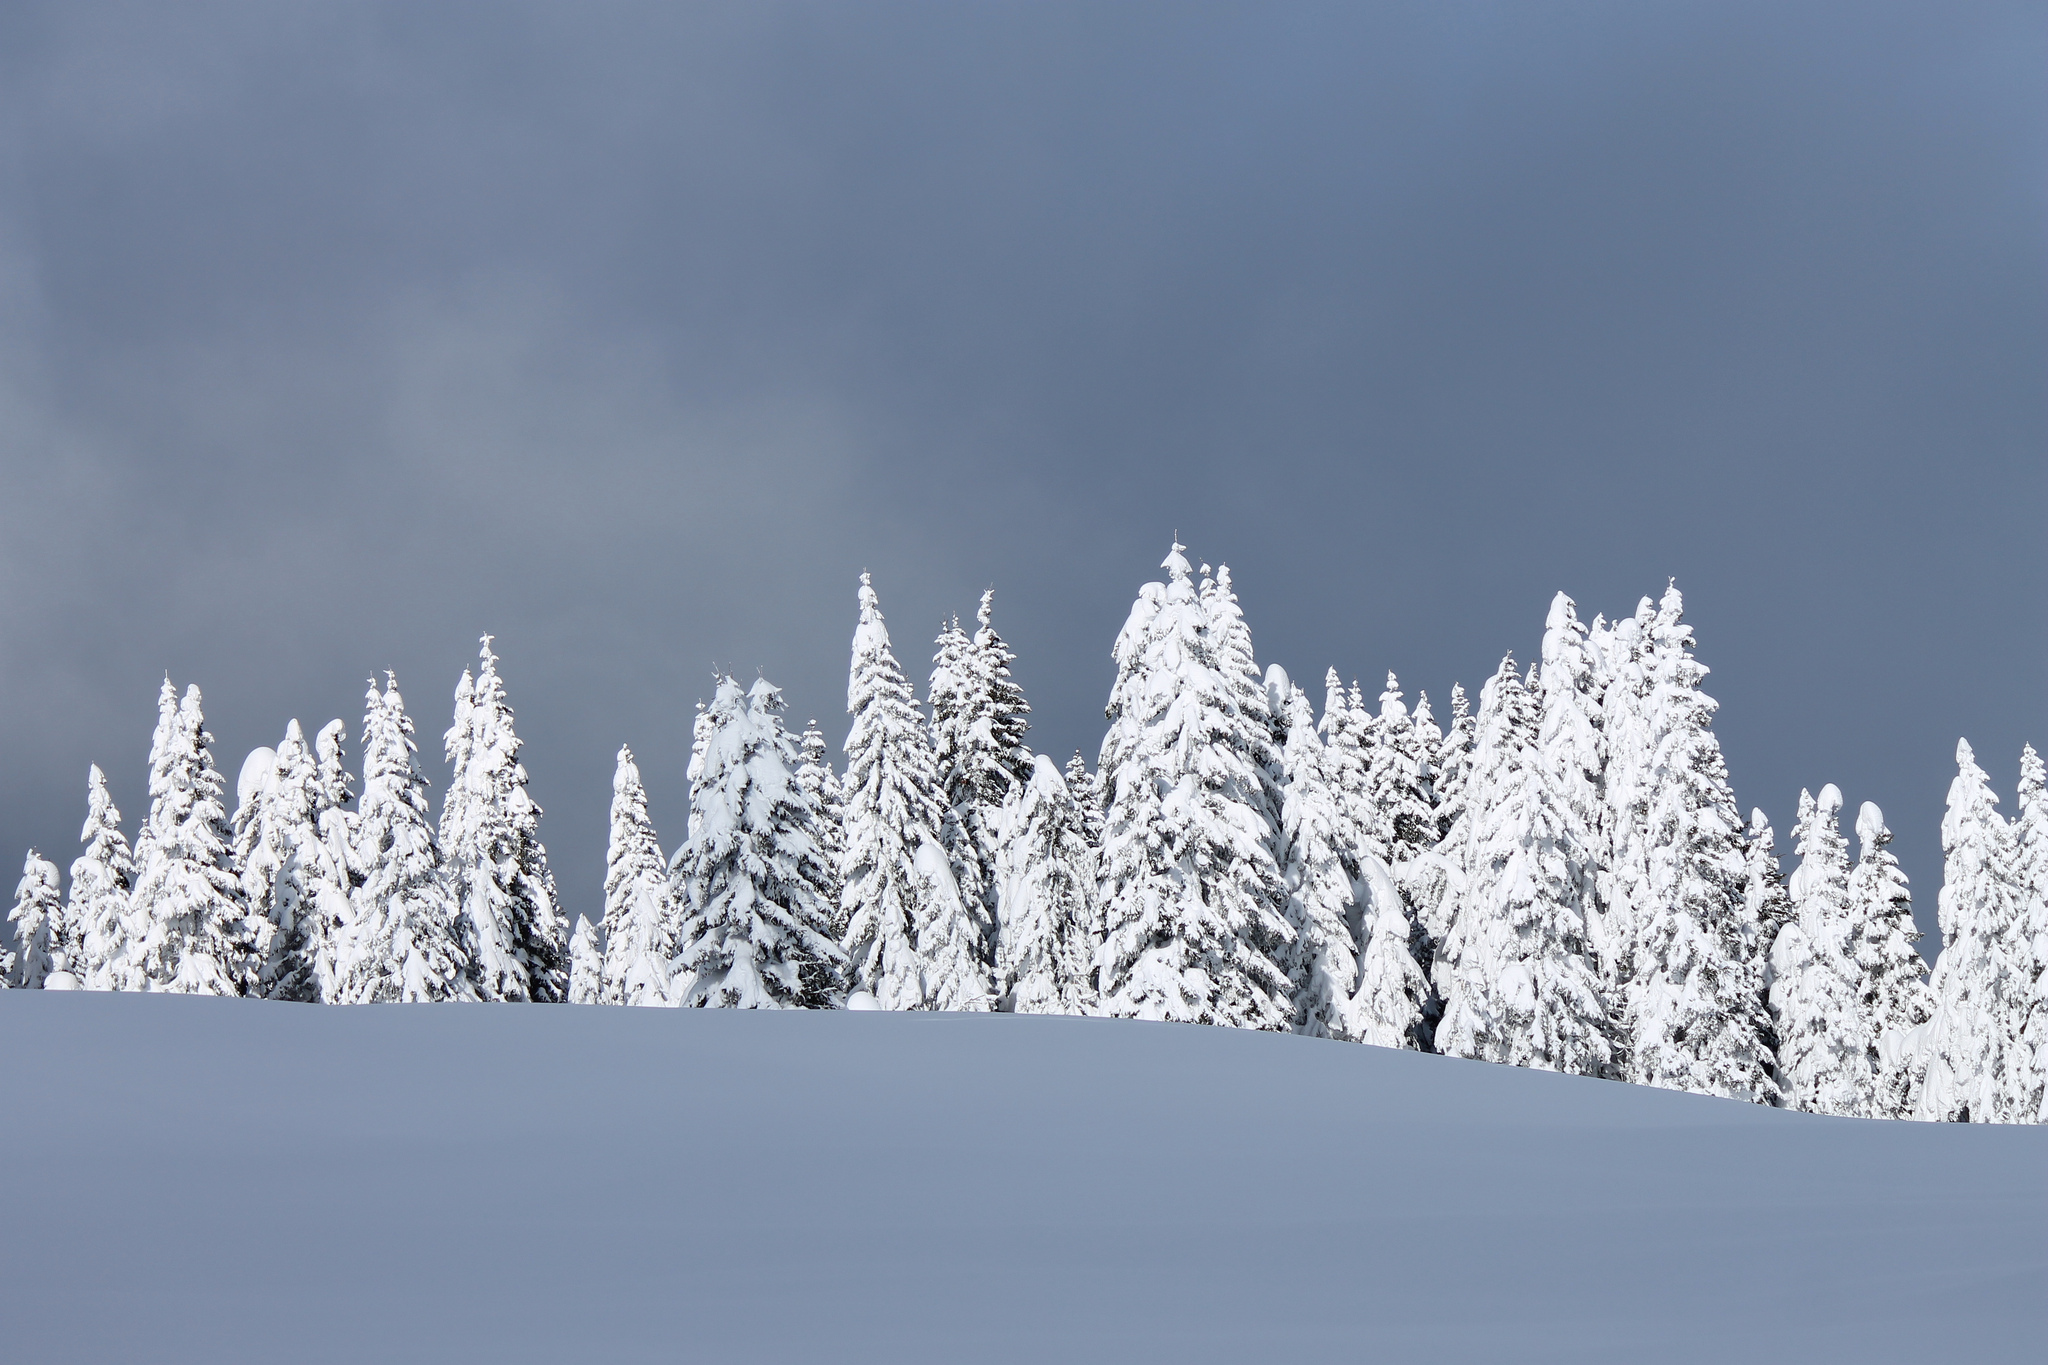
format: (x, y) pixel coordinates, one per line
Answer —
(639, 917)
(189, 935)
(1695, 1001)
(278, 854)
(1574, 684)
(895, 909)
(1522, 988)
(1320, 867)
(1087, 794)
(1348, 739)
(756, 927)
(1045, 899)
(1398, 776)
(328, 876)
(512, 925)
(101, 878)
(1433, 883)
(1194, 907)
(828, 797)
(2030, 860)
(586, 965)
(1394, 1005)
(1893, 996)
(1823, 1052)
(405, 936)
(37, 918)
(1975, 1068)
(1624, 893)
(1428, 740)
(1766, 908)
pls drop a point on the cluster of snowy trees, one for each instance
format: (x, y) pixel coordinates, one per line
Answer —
(295, 896)
(1559, 879)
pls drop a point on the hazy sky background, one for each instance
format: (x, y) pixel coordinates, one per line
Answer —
(333, 335)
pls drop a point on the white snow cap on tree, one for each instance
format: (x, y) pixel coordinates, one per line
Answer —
(893, 907)
(189, 934)
(37, 918)
(1194, 907)
(329, 874)
(1045, 899)
(756, 927)
(586, 965)
(1522, 988)
(404, 941)
(1977, 1062)
(1320, 865)
(279, 855)
(101, 878)
(512, 923)
(1574, 685)
(639, 916)
(1893, 994)
(1823, 1053)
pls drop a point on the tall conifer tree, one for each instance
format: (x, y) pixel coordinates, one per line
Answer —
(2030, 862)
(1894, 998)
(1823, 1052)
(1194, 907)
(1045, 888)
(1320, 864)
(101, 878)
(639, 915)
(37, 917)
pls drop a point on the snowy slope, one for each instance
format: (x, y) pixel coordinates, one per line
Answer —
(228, 1180)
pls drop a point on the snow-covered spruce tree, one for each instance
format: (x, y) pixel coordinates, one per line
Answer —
(639, 917)
(1231, 640)
(189, 933)
(1695, 1002)
(1319, 862)
(1766, 908)
(1398, 777)
(1823, 1051)
(101, 878)
(279, 857)
(1394, 1005)
(327, 873)
(905, 926)
(1348, 737)
(756, 927)
(1894, 998)
(2030, 861)
(828, 797)
(1045, 899)
(1194, 908)
(1433, 882)
(1087, 794)
(1980, 982)
(404, 942)
(1428, 739)
(1523, 988)
(586, 965)
(978, 725)
(1574, 684)
(1628, 735)
(37, 917)
(512, 924)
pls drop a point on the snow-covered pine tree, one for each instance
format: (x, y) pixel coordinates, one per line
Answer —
(756, 927)
(1394, 1005)
(1045, 899)
(1194, 907)
(1574, 684)
(1398, 777)
(189, 933)
(101, 878)
(328, 876)
(1434, 882)
(1894, 997)
(893, 907)
(1348, 738)
(1523, 988)
(586, 965)
(2030, 861)
(828, 797)
(1823, 1053)
(512, 924)
(1428, 739)
(1320, 864)
(37, 918)
(1766, 905)
(1980, 983)
(1453, 760)
(1695, 1001)
(1628, 734)
(639, 917)
(1008, 711)
(277, 856)
(405, 940)
(1087, 794)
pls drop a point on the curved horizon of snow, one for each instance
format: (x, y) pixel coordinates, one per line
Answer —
(218, 1178)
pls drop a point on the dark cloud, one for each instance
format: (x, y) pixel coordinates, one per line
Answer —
(332, 336)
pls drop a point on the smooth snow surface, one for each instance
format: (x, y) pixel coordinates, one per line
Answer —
(231, 1180)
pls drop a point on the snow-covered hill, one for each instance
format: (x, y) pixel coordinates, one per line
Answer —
(226, 1180)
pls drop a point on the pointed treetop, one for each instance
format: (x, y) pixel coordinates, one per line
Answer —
(986, 609)
(1175, 563)
(627, 773)
(1563, 614)
(869, 603)
(1966, 757)
(1391, 707)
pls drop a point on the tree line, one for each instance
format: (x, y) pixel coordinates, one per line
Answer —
(1559, 878)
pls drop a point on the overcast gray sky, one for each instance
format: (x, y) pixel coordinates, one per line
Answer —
(333, 335)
